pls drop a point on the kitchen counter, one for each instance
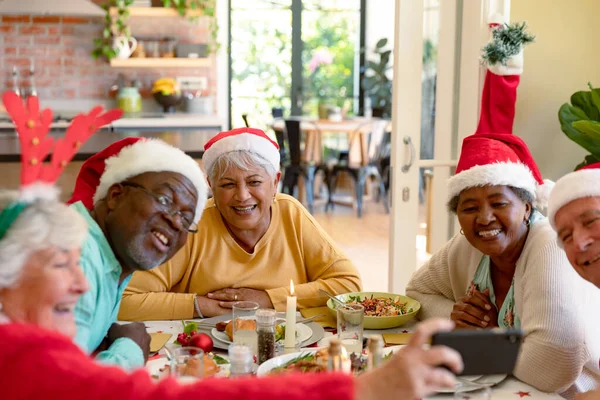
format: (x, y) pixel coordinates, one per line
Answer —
(191, 141)
(144, 121)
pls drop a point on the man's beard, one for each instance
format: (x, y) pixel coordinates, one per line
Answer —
(142, 259)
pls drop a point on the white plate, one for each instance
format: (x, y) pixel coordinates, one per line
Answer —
(303, 333)
(279, 361)
(464, 386)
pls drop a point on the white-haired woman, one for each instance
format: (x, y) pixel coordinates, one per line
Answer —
(40, 282)
(250, 243)
(40, 277)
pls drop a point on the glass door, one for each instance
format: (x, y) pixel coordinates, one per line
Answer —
(261, 54)
(293, 55)
(436, 90)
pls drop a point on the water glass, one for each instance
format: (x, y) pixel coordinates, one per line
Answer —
(187, 364)
(245, 310)
(483, 393)
(350, 321)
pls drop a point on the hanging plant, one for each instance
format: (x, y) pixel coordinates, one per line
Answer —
(114, 26)
(186, 8)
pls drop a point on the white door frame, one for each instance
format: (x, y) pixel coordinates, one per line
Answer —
(463, 32)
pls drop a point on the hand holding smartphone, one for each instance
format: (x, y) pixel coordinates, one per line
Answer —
(484, 352)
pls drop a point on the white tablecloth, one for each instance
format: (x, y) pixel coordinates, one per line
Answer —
(510, 388)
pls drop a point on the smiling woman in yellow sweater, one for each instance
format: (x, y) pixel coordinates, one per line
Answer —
(250, 243)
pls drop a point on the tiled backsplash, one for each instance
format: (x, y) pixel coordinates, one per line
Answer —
(61, 47)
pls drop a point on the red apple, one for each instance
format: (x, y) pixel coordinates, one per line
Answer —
(203, 341)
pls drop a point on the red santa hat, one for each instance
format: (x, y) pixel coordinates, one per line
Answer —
(241, 139)
(584, 182)
(493, 155)
(130, 157)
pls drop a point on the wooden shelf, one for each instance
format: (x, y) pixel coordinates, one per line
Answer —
(160, 62)
(155, 12)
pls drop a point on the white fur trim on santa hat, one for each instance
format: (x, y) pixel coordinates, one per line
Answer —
(573, 186)
(242, 141)
(496, 174)
(152, 155)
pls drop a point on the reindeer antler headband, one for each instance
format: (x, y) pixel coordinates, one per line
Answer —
(38, 177)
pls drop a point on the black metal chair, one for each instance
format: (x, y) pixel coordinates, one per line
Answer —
(361, 173)
(295, 168)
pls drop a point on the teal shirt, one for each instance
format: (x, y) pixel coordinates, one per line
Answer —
(97, 309)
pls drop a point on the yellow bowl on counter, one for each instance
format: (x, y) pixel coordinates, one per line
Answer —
(379, 322)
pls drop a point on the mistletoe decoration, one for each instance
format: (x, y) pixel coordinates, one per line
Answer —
(507, 41)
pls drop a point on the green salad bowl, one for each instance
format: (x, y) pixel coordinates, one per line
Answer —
(379, 322)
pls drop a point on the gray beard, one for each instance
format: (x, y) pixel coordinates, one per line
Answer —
(143, 261)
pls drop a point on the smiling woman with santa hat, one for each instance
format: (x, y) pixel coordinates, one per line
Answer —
(504, 268)
(251, 242)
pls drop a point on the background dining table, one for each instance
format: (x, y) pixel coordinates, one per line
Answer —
(510, 388)
(357, 130)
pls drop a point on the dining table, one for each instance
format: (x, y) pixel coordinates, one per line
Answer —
(509, 388)
(357, 130)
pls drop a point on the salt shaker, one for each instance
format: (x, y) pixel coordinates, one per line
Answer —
(374, 352)
(241, 359)
(265, 320)
(334, 359)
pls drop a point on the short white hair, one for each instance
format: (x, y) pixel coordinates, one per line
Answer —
(41, 225)
(242, 159)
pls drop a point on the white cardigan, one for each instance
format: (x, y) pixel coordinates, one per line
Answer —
(558, 310)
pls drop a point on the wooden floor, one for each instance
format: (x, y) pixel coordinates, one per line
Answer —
(365, 240)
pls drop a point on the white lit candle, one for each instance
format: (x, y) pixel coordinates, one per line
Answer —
(290, 319)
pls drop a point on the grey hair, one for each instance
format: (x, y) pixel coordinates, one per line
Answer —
(242, 159)
(525, 196)
(41, 225)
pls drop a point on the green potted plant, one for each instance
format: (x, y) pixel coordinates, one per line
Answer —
(114, 27)
(580, 121)
(185, 8)
(376, 83)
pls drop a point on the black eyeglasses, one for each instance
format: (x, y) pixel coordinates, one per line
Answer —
(167, 206)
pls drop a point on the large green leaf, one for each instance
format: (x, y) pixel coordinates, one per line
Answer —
(568, 115)
(583, 100)
(589, 128)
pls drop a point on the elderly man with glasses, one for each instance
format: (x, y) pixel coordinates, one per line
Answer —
(140, 199)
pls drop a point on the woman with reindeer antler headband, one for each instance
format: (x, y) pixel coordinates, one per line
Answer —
(40, 237)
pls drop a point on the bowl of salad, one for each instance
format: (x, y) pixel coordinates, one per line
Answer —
(382, 310)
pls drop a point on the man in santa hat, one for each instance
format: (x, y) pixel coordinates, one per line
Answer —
(140, 198)
(574, 213)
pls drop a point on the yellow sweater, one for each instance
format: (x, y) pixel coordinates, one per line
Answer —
(294, 247)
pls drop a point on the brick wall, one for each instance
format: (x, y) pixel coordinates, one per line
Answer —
(61, 47)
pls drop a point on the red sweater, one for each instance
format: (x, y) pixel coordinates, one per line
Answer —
(35, 364)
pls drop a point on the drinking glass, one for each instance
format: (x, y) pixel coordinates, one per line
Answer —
(350, 327)
(187, 364)
(245, 310)
(483, 393)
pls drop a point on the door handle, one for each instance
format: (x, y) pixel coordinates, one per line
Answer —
(406, 167)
